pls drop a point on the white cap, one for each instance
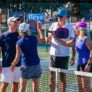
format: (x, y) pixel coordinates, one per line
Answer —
(11, 19)
(23, 27)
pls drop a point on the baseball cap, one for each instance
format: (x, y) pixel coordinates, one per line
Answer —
(23, 27)
(11, 19)
(61, 12)
(82, 24)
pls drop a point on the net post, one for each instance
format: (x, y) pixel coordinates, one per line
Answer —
(56, 80)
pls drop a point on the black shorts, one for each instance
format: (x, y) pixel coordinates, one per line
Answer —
(59, 62)
(82, 67)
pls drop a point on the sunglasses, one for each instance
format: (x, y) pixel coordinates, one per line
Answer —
(60, 16)
(14, 21)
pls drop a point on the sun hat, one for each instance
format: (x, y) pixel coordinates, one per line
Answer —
(23, 27)
(61, 12)
(11, 19)
(82, 24)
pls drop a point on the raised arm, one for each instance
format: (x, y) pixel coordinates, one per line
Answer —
(17, 57)
(40, 33)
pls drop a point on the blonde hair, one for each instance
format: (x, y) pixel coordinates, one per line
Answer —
(84, 30)
(23, 33)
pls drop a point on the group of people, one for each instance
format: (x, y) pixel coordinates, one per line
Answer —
(20, 59)
(59, 51)
(19, 48)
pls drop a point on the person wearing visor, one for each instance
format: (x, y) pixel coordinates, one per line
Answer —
(59, 54)
(83, 47)
(8, 47)
(82, 24)
(26, 47)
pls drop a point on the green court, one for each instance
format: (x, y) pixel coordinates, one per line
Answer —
(71, 80)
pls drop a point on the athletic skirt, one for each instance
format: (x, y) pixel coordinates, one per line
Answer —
(31, 72)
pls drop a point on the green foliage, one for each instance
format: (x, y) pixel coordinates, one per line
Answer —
(3, 29)
(43, 51)
(90, 34)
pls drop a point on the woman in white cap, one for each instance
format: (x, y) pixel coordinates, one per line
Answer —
(83, 47)
(30, 62)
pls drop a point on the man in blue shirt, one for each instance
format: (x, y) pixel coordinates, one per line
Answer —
(8, 46)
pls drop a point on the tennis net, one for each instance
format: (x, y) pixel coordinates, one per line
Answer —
(74, 80)
(72, 84)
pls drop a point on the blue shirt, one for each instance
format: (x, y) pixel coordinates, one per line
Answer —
(82, 50)
(29, 54)
(8, 43)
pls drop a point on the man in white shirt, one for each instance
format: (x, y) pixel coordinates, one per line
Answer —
(59, 54)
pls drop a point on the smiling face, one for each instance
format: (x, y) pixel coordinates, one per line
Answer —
(13, 25)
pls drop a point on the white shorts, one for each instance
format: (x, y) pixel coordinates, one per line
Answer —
(8, 76)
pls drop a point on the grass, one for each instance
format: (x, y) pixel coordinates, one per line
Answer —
(43, 51)
(44, 83)
(44, 80)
